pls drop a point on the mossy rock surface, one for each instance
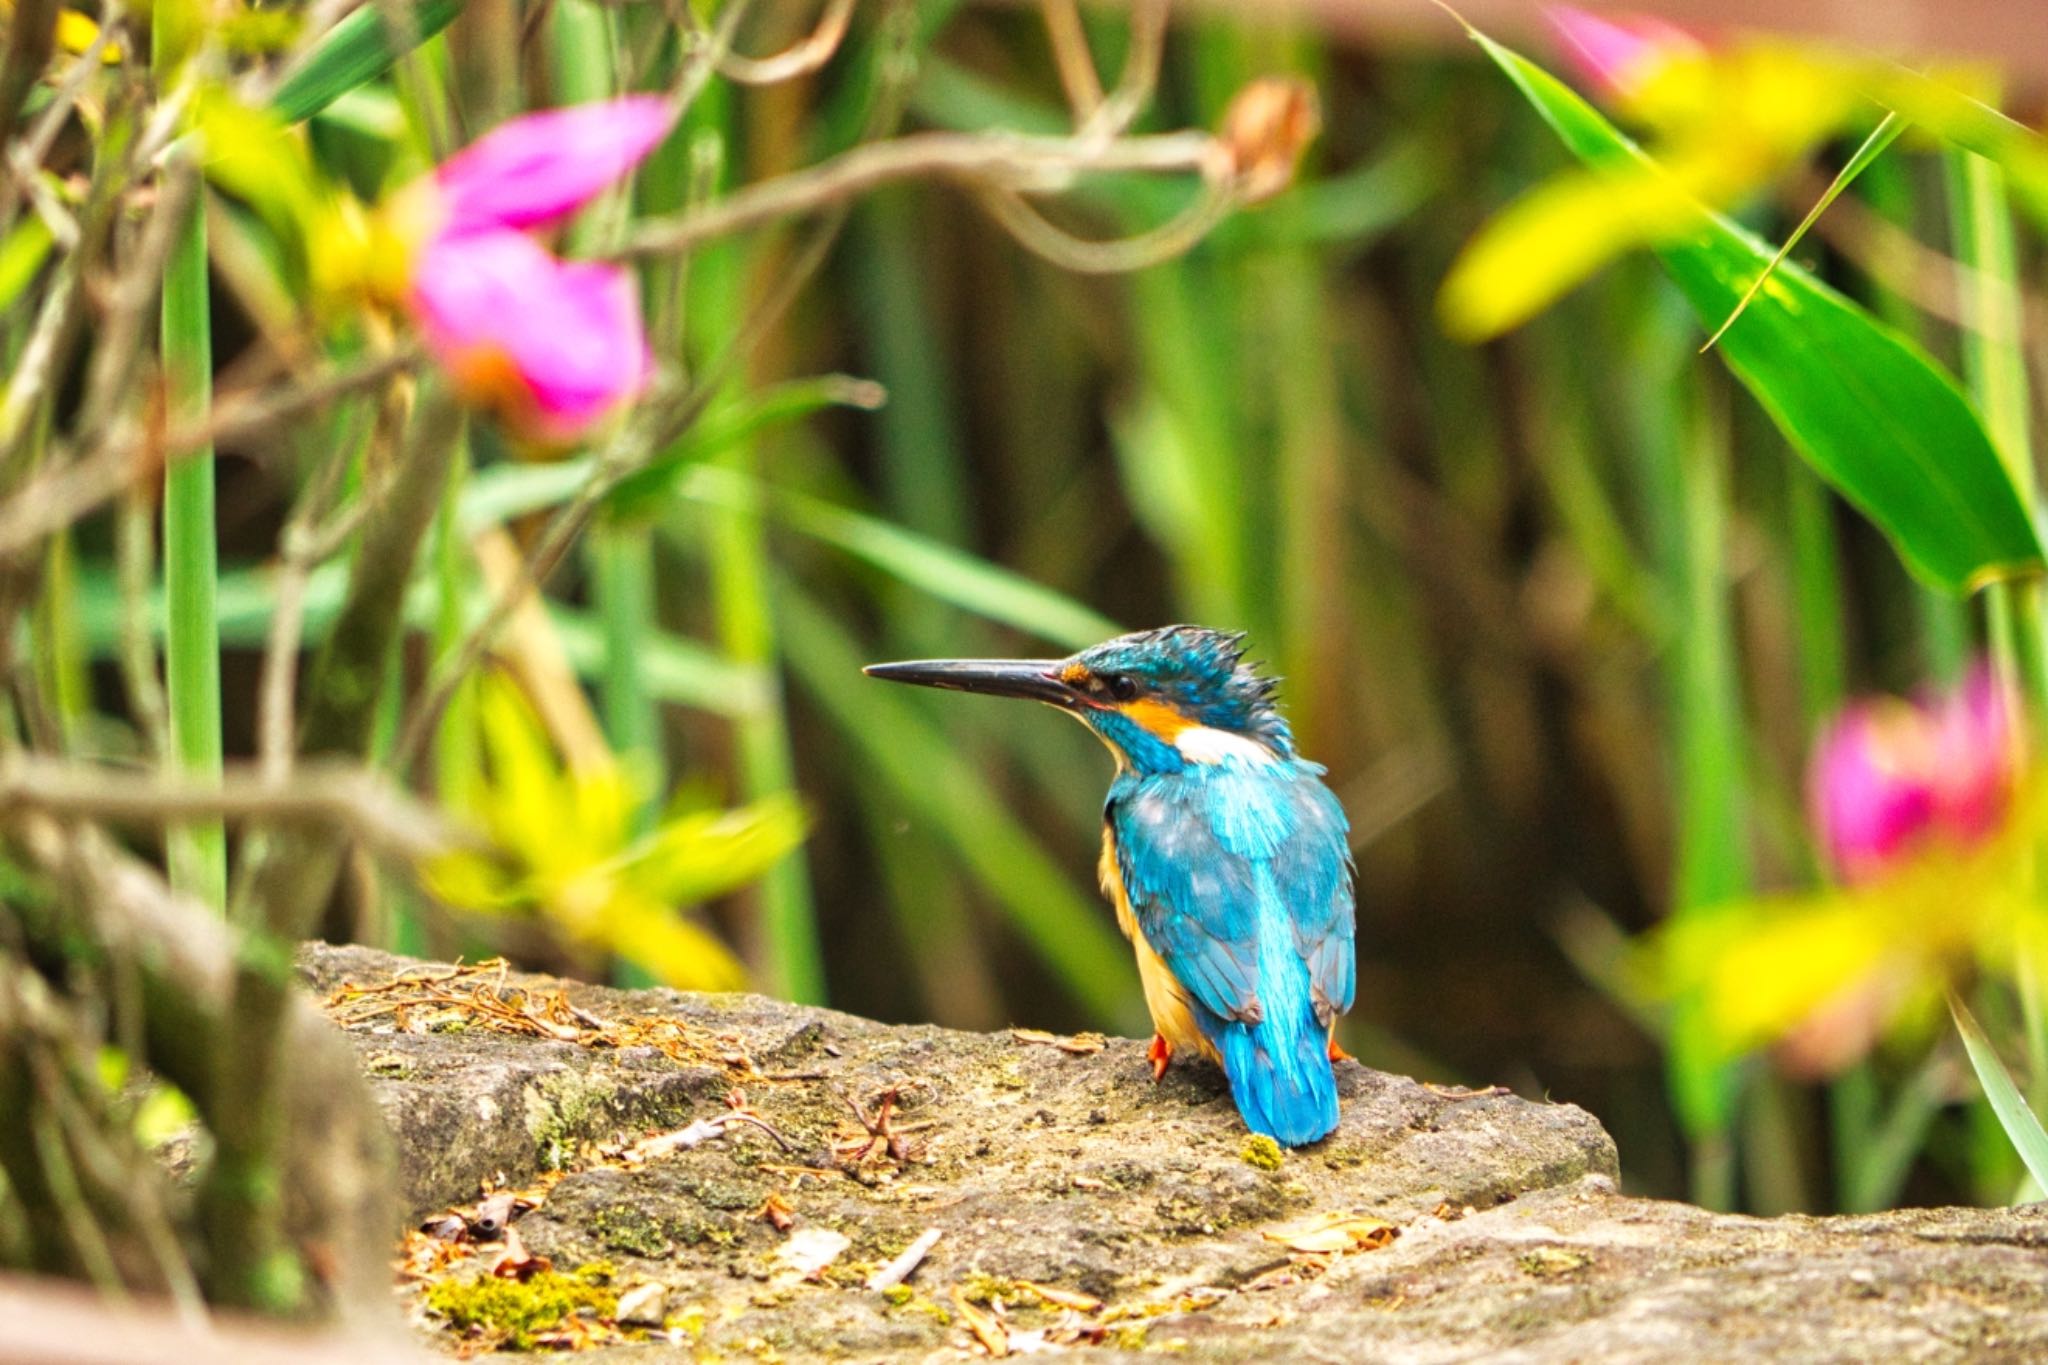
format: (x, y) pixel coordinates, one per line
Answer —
(1079, 1174)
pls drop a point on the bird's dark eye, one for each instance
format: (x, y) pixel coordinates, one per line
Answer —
(1120, 687)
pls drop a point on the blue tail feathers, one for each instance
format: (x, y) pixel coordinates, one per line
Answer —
(1280, 1076)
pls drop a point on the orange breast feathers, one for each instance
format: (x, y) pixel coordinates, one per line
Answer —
(1166, 1000)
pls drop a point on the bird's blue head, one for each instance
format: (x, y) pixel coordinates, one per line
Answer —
(1161, 699)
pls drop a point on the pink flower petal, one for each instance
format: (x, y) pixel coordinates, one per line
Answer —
(1617, 56)
(541, 167)
(552, 346)
(1872, 788)
(1890, 776)
(1974, 765)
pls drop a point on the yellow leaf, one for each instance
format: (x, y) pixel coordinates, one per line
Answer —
(1553, 239)
(75, 33)
(251, 153)
(1334, 1232)
(671, 948)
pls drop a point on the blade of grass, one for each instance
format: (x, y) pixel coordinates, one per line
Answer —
(1942, 624)
(674, 669)
(198, 851)
(945, 573)
(784, 950)
(941, 783)
(506, 491)
(2021, 1127)
(1995, 367)
(1881, 137)
(59, 655)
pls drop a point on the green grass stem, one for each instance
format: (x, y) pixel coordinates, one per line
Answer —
(198, 850)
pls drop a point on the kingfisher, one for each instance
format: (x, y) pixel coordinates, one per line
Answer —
(1227, 858)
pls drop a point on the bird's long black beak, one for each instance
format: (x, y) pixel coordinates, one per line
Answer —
(1032, 679)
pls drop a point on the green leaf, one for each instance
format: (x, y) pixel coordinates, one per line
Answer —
(643, 492)
(358, 49)
(937, 783)
(502, 492)
(951, 575)
(1881, 137)
(22, 254)
(2014, 1116)
(674, 668)
(1877, 418)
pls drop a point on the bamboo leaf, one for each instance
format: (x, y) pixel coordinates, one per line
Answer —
(357, 50)
(1872, 412)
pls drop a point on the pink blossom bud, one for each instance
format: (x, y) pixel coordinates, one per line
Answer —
(538, 168)
(551, 346)
(1890, 777)
(1617, 57)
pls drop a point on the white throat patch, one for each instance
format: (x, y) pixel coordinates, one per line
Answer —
(1202, 744)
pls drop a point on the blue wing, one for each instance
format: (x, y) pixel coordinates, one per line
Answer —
(1240, 880)
(1202, 850)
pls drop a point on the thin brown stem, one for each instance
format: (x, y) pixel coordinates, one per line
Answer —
(71, 490)
(1070, 54)
(800, 59)
(1140, 75)
(328, 795)
(135, 564)
(1024, 165)
(305, 545)
(1175, 237)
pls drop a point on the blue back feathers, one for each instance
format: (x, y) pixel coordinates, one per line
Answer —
(1239, 874)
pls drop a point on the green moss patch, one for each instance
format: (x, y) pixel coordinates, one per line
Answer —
(512, 1313)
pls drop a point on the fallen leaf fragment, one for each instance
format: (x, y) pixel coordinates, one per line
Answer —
(779, 1214)
(1073, 1044)
(1063, 1298)
(447, 1227)
(515, 1262)
(809, 1250)
(907, 1261)
(987, 1328)
(696, 1135)
(1334, 1233)
(644, 1305)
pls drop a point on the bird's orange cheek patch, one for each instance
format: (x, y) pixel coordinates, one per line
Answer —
(1158, 718)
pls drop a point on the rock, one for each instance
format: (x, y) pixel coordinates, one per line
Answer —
(1073, 1171)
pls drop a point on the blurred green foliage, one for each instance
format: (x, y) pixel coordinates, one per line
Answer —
(1558, 611)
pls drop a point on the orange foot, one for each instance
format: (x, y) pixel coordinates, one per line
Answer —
(1160, 1053)
(1338, 1054)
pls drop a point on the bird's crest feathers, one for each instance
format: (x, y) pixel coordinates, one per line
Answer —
(1197, 672)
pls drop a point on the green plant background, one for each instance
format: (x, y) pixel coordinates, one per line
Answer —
(1560, 613)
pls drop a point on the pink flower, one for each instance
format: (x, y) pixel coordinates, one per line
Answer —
(1619, 56)
(550, 346)
(539, 168)
(1890, 777)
